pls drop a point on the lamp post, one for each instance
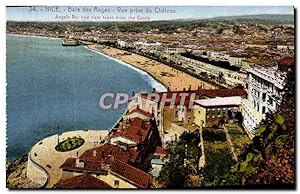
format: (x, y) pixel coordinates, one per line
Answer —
(57, 134)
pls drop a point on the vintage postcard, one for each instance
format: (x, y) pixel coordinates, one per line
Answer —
(150, 97)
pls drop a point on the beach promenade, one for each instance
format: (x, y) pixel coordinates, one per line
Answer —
(44, 154)
(170, 77)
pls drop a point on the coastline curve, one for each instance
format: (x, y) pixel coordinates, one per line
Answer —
(149, 78)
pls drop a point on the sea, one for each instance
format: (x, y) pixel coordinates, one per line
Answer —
(51, 86)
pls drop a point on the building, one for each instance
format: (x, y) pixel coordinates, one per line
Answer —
(175, 50)
(157, 161)
(123, 162)
(286, 64)
(137, 134)
(137, 113)
(182, 110)
(214, 111)
(265, 87)
(121, 43)
(110, 164)
(251, 118)
(83, 181)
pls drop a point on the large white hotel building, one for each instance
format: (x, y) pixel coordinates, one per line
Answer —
(264, 92)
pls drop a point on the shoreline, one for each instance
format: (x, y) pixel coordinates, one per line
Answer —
(161, 82)
(169, 77)
(150, 79)
(161, 87)
(34, 36)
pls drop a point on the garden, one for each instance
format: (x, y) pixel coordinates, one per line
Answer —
(239, 138)
(69, 144)
(213, 134)
(218, 159)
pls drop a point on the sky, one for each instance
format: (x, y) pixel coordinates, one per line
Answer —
(114, 13)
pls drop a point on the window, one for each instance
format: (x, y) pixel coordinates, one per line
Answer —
(264, 95)
(116, 184)
(263, 110)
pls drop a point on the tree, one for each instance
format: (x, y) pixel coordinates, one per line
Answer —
(183, 158)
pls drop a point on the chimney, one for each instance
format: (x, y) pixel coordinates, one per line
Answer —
(105, 167)
(94, 153)
(153, 90)
(79, 163)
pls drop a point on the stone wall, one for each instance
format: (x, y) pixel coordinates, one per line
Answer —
(37, 173)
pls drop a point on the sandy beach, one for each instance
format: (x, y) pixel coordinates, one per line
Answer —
(171, 78)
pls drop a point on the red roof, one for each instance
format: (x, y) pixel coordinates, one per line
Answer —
(133, 154)
(84, 181)
(140, 111)
(105, 150)
(134, 175)
(121, 169)
(89, 165)
(136, 131)
(160, 151)
(287, 61)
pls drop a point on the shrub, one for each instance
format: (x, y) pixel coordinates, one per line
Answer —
(214, 135)
(69, 144)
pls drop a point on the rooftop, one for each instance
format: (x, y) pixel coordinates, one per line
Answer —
(157, 161)
(140, 111)
(271, 75)
(220, 101)
(160, 151)
(101, 152)
(286, 61)
(134, 175)
(121, 169)
(84, 181)
(109, 158)
(201, 92)
(137, 130)
(89, 166)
